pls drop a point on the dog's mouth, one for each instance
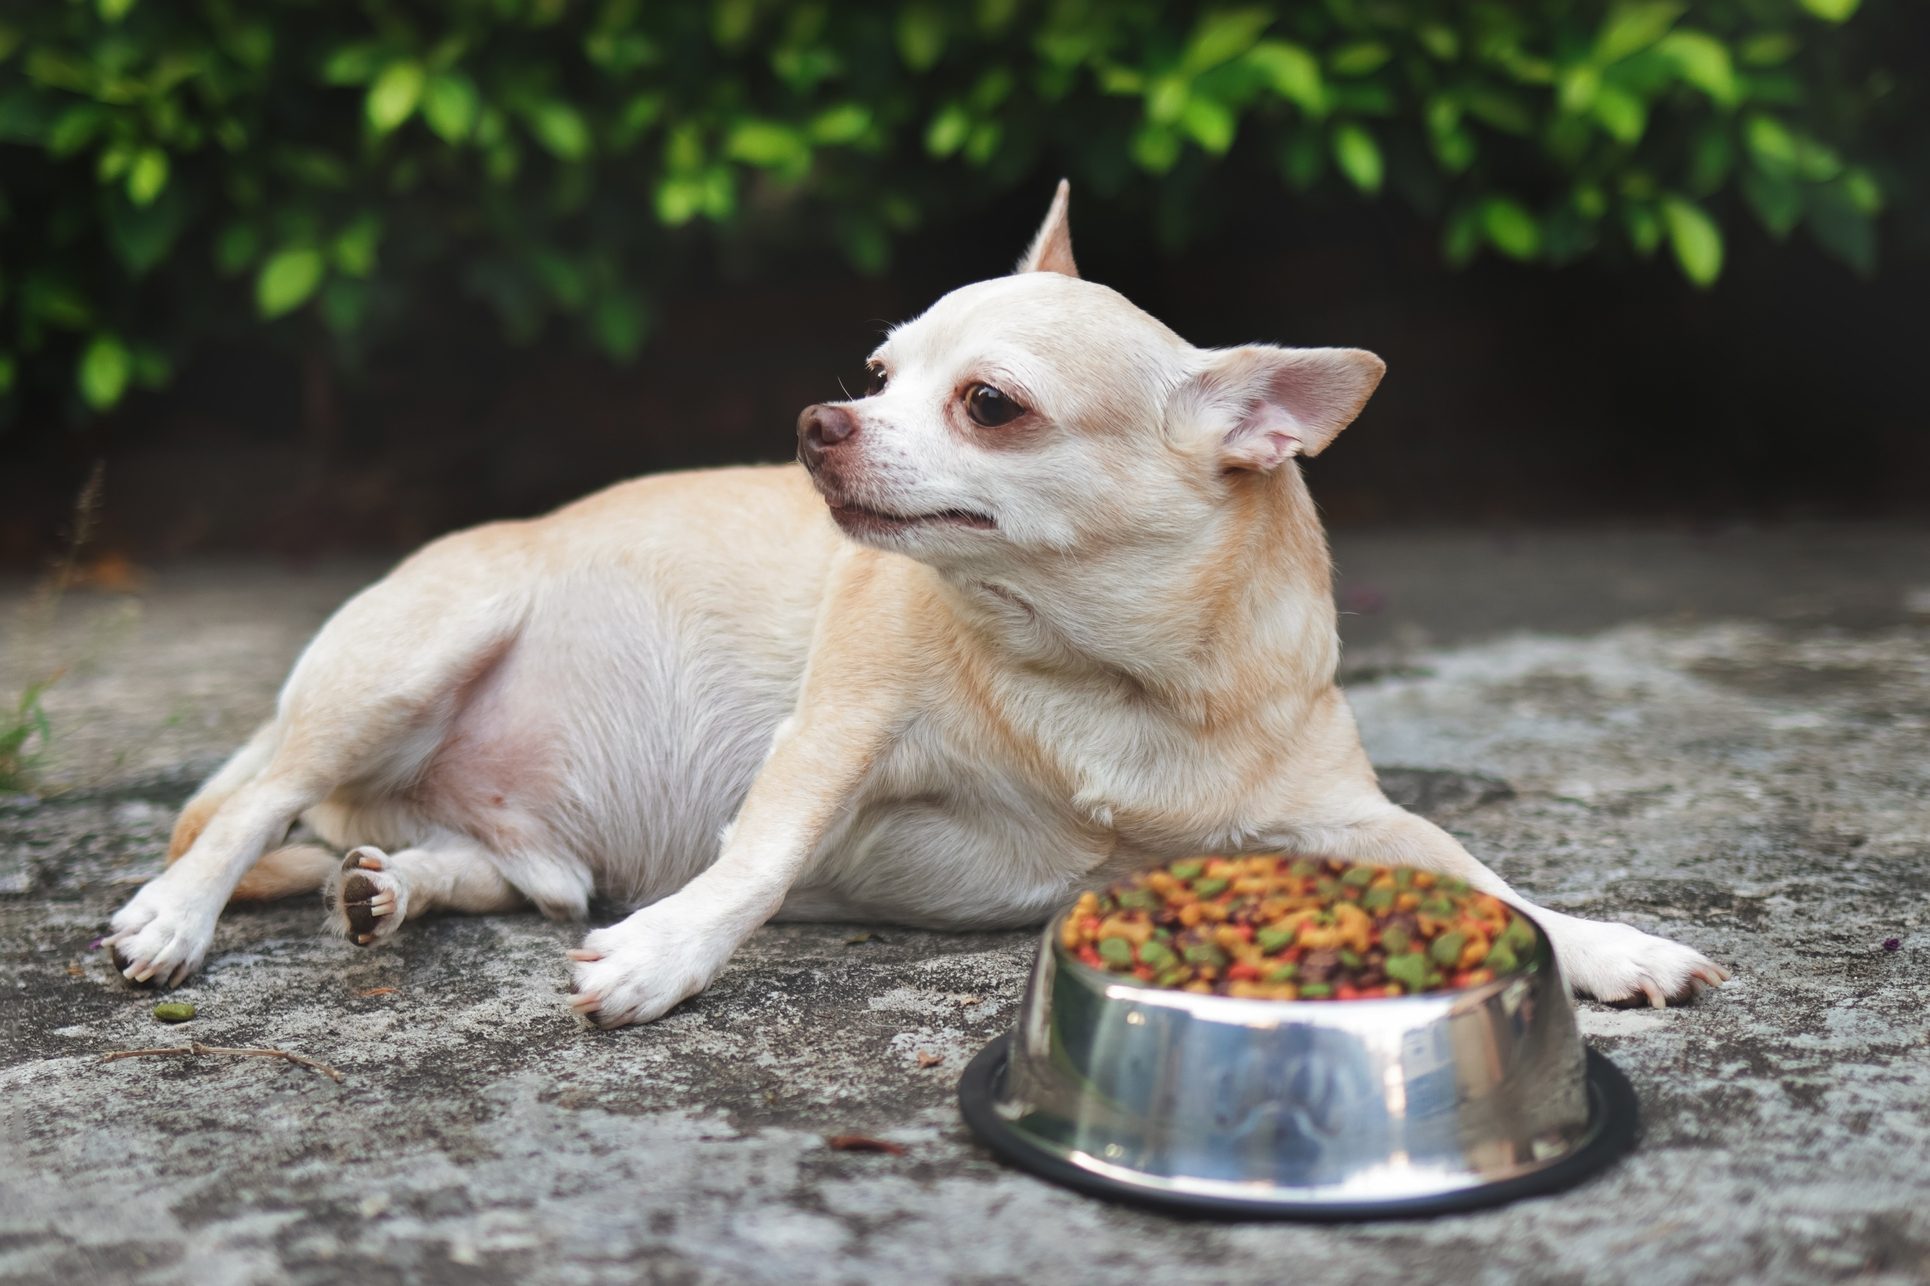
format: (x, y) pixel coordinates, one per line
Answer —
(860, 521)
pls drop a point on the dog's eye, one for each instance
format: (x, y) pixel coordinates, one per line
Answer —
(875, 380)
(989, 407)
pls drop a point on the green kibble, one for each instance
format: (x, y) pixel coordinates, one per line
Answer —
(173, 1011)
(1395, 939)
(1446, 949)
(1187, 870)
(1157, 955)
(1285, 971)
(1377, 899)
(1210, 888)
(1358, 876)
(1315, 991)
(1403, 878)
(1205, 954)
(1449, 884)
(1519, 934)
(1501, 958)
(1326, 886)
(1139, 900)
(1116, 952)
(1302, 868)
(1437, 906)
(1351, 959)
(1273, 940)
(1173, 977)
(1408, 969)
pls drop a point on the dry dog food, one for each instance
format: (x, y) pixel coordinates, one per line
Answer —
(1274, 927)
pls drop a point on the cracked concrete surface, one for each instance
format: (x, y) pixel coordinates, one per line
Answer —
(1718, 737)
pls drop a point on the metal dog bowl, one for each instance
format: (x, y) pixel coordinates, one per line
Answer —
(1348, 1109)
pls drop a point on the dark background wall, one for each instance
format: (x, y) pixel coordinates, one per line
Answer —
(1514, 393)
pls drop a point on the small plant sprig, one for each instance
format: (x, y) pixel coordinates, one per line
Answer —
(27, 734)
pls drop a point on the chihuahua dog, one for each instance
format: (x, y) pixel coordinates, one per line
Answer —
(1048, 604)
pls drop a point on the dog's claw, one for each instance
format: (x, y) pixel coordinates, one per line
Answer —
(578, 953)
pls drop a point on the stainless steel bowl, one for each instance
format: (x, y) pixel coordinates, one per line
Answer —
(1308, 1109)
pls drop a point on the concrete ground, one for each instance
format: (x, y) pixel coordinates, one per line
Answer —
(1719, 737)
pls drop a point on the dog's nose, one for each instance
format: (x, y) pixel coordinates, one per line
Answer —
(822, 426)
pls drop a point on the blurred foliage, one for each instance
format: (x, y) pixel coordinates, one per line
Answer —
(180, 171)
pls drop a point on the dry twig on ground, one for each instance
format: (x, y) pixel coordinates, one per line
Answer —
(196, 1047)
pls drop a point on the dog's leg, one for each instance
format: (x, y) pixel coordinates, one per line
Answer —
(638, 969)
(374, 892)
(162, 934)
(1612, 962)
(295, 868)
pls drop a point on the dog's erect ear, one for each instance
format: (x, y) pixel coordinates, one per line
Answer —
(1265, 404)
(1051, 249)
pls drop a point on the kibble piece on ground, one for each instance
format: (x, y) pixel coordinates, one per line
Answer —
(174, 1011)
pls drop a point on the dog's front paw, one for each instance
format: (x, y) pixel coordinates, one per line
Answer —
(639, 970)
(1622, 965)
(366, 900)
(160, 937)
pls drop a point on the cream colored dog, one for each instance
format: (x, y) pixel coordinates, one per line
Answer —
(1068, 613)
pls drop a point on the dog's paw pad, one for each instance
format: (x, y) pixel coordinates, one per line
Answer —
(370, 900)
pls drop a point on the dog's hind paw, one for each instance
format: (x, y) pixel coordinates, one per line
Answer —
(367, 901)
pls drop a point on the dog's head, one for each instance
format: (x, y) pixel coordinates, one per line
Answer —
(1043, 414)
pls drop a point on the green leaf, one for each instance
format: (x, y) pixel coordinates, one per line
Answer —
(8, 374)
(103, 372)
(394, 95)
(1621, 114)
(1840, 227)
(1509, 227)
(1221, 37)
(1768, 48)
(1358, 58)
(1292, 72)
(1644, 228)
(1632, 27)
(1694, 237)
(845, 123)
(141, 236)
(767, 144)
(1155, 147)
(1770, 143)
(451, 105)
(1832, 10)
(354, 64)
(147, 176)
(288, 278)
(1461, 237)
(1702, 61)
(354, 249)
(1775, 198)
(1358, 156)
(948, 129)
(112, 11)
(235, 247)
(560, 128)
(1210, 122)
(921, 35)
(620, 323)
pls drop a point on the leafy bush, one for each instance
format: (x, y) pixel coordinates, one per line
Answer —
(181, 171)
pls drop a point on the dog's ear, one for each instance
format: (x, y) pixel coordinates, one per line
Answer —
(1261, 405)
(1051, 249)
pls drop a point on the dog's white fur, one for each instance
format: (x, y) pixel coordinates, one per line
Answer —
(1115, 643)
